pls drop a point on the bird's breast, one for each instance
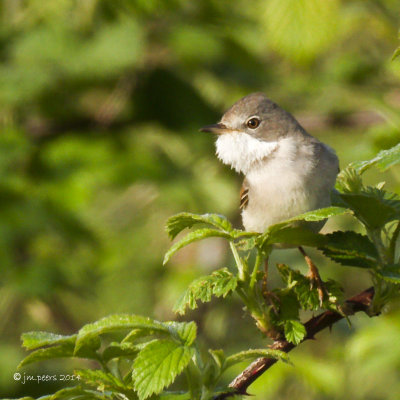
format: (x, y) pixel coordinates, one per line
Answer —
(283, 187)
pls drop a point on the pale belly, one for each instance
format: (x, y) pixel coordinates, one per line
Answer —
(275, 196)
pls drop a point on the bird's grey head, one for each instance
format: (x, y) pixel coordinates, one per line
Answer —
(257, 116)
(251, 131)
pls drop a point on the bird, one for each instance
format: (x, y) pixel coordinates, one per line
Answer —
(286, 170)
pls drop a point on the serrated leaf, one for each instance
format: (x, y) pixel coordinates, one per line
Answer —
(185, 331)
(307, 296)
(220, 283)
(293, 230)
(179, 222)
(349, 181)
(294, 331)
(157, 366)
(58, 351)
(351, 248)
(391, 273)
(88, 348)
(296, 236)
(119, 350)
(383, 160)
(114, 323)
(373, 207)
(34, 340)
(194, 236)
(252, 354)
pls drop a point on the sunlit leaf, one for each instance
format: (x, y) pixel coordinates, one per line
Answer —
(114, 323)
(179, 222)
(185, 331)
(220, 283)
(119, 350)
(58, 351)
(194, 236)
(34, 340)
(157, 366)
(384, 160)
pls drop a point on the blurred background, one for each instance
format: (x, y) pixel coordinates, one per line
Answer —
(100, 105)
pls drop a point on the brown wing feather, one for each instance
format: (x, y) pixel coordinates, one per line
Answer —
(244, 195)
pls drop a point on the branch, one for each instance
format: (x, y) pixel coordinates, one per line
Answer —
(239, 385)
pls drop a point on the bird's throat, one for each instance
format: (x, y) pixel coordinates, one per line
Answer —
(241, 151)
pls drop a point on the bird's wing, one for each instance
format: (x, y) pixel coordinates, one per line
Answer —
(244, 195)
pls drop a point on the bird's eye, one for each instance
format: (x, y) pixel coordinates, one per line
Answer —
(253, 122)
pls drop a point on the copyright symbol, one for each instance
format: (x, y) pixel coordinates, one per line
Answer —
(17, 376)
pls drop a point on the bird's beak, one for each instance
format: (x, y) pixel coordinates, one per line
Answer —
(218, 129)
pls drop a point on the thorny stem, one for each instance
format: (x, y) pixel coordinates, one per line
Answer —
(360, 302)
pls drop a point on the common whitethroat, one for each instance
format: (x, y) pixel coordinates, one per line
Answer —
(286, 171)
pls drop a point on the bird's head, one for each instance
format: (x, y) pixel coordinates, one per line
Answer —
(251, 130)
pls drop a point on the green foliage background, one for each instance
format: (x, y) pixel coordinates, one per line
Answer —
(100, 103)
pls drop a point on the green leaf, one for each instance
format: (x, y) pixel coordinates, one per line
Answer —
(185, 331)
(391, 273)
(351, 248)
(294, 331)
(296, 236)
(119, 350)
(384, 159)
(58, 351)
(373, 207)
(34, 340)
(349, 180)
(179, 222)
(137, 335)
(300, 285)
(218, 356)
(194, 236)
(76, 392)
(220, 283)
(99, 378)
(114, 323)
(252, 354)
(306, 295)
(295, 232)
(158, 364)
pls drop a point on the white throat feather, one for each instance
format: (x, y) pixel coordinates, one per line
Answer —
(241, 151)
